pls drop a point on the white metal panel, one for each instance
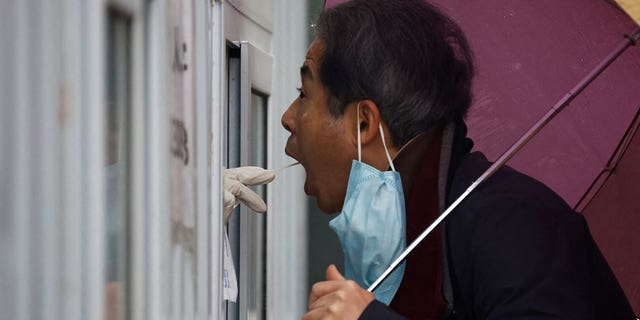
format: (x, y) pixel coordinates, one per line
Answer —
(69, 116)
(21, 161)
(238, 28)
(8, 235)
(157, 214)
(260, 67)
(91, 196)
(287, 291)
(203, 156)
(190, 193)
(261, 12)
(46, 153)
(218, 98)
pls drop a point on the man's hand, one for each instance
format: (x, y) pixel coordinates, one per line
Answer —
(236, 181)
(337, 298)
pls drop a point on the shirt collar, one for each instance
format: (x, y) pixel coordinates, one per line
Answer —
(409, 156)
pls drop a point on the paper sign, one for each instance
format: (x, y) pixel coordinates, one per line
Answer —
(230, 282)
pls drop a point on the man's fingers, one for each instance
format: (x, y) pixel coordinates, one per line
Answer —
(313, 314)
(333, 273)
(337, 298)
(332, 298)
(246, 195)
(321, 289)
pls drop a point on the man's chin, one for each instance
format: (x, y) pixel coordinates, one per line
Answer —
(307, 187)
(326, 208)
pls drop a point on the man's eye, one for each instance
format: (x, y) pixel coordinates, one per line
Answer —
(301, 95)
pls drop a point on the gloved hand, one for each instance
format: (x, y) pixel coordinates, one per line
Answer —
(236, 181)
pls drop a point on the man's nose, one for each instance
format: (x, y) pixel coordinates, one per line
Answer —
(287, 120)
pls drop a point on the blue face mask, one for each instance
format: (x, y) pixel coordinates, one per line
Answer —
(372, 225)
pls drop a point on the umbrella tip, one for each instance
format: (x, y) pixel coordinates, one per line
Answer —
(634, 37)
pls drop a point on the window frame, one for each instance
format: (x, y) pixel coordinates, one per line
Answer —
(254, 69)
(135, 175)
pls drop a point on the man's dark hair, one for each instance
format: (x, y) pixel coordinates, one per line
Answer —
(410, 59)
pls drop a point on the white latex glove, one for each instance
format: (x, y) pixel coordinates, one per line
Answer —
(236, 181)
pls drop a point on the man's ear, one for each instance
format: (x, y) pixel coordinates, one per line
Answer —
(369, 117)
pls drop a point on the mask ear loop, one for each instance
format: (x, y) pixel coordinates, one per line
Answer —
(384, 143)
(386, 151)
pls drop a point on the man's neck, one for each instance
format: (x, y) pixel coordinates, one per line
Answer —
(409, 156)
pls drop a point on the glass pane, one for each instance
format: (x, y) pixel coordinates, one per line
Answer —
(116, 162)
(232, 151)
(257, 222)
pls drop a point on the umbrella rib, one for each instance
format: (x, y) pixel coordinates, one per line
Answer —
(611, 165)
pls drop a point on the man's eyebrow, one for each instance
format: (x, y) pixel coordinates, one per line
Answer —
(305, 72)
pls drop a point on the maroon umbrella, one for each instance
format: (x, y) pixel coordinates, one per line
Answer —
(529, 54)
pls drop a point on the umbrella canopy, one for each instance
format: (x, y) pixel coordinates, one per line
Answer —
(613, 212)
(528, 55)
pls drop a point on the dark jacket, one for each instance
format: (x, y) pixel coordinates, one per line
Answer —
(516, 250)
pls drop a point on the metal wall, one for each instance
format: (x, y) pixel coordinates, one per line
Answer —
(51, 201)
(157, 70)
